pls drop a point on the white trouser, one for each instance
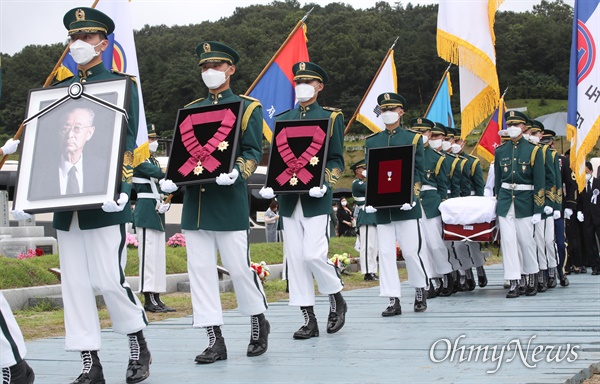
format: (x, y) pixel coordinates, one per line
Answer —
(92, 261)
(12, 345)
(305, 248)
(409, 239)
(540, 245)
(550, 240)
(518, 249)
(368, 248)
(202, 249)
(432, 231)
(153, 260)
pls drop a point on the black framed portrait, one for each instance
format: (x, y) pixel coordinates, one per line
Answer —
(298, 155)
(72, 146)
(390, 176)
(204, 143)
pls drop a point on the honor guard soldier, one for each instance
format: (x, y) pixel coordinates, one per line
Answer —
(215, 218)
(92, 242)
(366, 223)
(434, 190)
(519, 187)
(149, 221)
(400, 224)
(305, 217)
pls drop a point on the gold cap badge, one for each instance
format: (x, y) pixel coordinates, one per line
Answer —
(512, 114)
(420, 121)
(80, 15)
(206, 47)
(302, 66)
(386, 96)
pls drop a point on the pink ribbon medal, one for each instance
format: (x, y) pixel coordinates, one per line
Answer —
(296, 165)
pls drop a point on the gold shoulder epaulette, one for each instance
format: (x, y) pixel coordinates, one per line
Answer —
(124, 74)
(249, 98)
(193, 102)
(332, 109)
(438, 152)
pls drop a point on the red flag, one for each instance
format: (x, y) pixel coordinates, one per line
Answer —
(490, 139)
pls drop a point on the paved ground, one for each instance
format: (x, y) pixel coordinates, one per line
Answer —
(564, 324)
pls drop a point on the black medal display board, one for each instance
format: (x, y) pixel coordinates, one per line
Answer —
(298, 154)
(390, 176)
(204, 143)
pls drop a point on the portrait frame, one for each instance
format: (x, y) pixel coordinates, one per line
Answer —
(205, 141)
(304, 144)
(390, 176)
(56, 135)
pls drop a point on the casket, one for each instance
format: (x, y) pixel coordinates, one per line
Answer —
(478, 232)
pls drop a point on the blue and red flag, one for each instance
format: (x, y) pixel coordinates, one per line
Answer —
(583, 113)
(490, 139)
(275, 87)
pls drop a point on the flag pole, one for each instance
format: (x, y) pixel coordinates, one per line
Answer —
(370, 86)
(46, 84)
(299, 25)
(482, 133)
(438, 89)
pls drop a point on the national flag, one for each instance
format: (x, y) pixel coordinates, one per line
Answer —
(583, 113)
(470, 45)
(120, 54)
(490, 139)
(440, 109)
(274, 87)
(385, 80)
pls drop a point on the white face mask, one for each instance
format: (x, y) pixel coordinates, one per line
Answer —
(588, 176)
(213, 79)
(534, 139)
(304, 92)
(390, 117)
(153, 146)
(514, 131)
(446, 145)
(456, 148)
(425, 139)
(344, 203)
(83, 52)
(435, 144)
(527, 136)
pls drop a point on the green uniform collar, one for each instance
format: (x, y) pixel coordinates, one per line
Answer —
(392, 132)
(308, 107)
(215, 98)
(93, 71)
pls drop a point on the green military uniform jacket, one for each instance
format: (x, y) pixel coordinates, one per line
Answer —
(436, 177)
(475, 174)
(465, 179)
(550, 167)
(216, 207)
(454, 174)
(395, 137)
(359, 192)
(520, 164)
(334, 165)
(145, 214)
(97, 218)
(557, 196)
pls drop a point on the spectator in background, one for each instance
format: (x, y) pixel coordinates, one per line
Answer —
(588, 213)
(272, 221)
(344, 216)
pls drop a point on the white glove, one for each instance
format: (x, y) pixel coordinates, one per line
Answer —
(364, 173)
(370, 209)
(227, 178)
(266, 193)
(19, 214)
(556, 215)
(167, 186)
(548, 210)
(110, 206)
(317, 192)
(408, 207)
(10, 146)
(536, 218)
(580, 216)
(568, 213)
(162, 208)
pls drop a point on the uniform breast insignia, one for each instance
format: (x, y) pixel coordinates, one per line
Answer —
(505, 169)
(524, 168)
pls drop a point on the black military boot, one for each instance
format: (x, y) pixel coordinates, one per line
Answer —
(337, 312)
(481, 277)
(542, 282)
(20, 373)
(162, 305)
(138, 369)
(310, 327)
(522, 285)
(216, 349)
(513, 290)
(456, 278)
(393, 308)
(531, 289)
(420, 300)
(91, 373)
(150, 303)
(259, 335)
(551, 277)
(447, 285)
(470, 279)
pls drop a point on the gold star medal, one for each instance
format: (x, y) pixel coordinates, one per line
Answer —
(223, 146)
(199, 169)
(294, 180)
(314, 161)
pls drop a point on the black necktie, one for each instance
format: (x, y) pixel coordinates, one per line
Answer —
(72, 182)
(589, 186)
